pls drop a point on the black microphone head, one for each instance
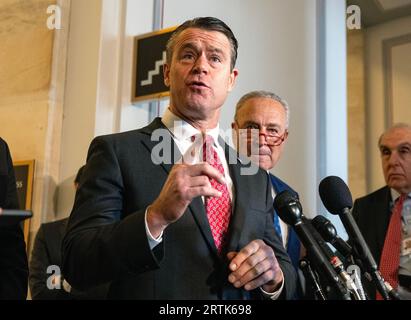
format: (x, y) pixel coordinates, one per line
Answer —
(288, 207)
(325, 228)
(335, 195)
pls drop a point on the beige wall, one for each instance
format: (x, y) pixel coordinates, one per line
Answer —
(382, 86)
(399, 74)
(379, 78)
(356, 113)
(25, 73)
(80, 99)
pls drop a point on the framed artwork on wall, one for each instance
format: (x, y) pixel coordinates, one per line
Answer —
(149, 57)
(24, 172)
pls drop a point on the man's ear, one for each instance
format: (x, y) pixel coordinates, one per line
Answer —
(166, 74)
(286, 134)
(233, 77)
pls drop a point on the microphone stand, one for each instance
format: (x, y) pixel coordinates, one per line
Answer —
(312, 279)
(327, 232)
(363, 253)
(348, 282)
(354, 271)
(315, 253)
(392, 292)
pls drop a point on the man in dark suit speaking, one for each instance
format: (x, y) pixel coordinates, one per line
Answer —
(159, 228)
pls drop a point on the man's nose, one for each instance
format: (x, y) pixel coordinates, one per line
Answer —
(394, 158)
(262, 137)
(201, 64)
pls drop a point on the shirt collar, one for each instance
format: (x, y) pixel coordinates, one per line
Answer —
(395, 194)
(182, 130)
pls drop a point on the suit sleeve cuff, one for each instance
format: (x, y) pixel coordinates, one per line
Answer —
(153, 242)
(274, 295)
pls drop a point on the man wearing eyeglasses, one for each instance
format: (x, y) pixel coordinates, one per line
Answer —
(260, 129)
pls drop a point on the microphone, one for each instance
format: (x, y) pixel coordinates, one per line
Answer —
(337, 198)
(327, 230)
(290, 211)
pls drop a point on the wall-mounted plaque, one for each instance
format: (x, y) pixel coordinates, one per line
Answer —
(24, 172)
(149, 57)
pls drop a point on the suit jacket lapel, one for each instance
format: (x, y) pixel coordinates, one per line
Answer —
(170, 152)
(197, 209)
(278, 187)
(237, 222)
(382, 214)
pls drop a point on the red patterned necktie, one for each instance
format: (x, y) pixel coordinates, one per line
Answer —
(218, 209)
(390, 257)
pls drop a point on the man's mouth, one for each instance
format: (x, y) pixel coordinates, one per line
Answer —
(264, 152)
(254, 150)
(197, 84)
(395, 175)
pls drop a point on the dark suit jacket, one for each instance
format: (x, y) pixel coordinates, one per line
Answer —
(13, 258)
(106, 237)
(294, 244)
(47, 252)
(293, 247)
(372, 214)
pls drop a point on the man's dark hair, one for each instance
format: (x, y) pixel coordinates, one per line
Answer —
(78, 175)
(209, 24)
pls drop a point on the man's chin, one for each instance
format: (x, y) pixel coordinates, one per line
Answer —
(264, 164)
(261, 161)
(198, 100)
(397, 184)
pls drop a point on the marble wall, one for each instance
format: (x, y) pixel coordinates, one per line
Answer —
(378, 78)
(25, 74)
(356, 113)
(387, 82)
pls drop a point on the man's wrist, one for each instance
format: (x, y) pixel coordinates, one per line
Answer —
(156, 225)
(276, 284)
(274, 292)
